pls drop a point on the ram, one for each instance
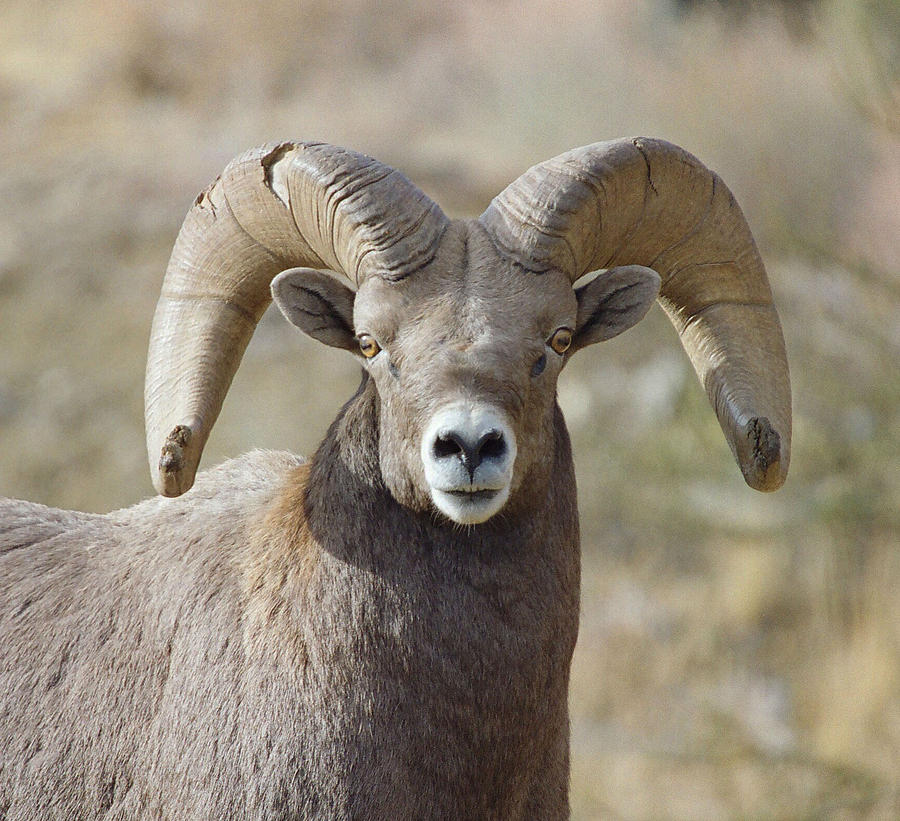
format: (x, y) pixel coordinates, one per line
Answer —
(384, 631)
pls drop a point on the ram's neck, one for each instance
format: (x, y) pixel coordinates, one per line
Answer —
(448, 648)
(352, 514)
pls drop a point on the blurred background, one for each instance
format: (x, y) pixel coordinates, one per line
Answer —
(739, 654)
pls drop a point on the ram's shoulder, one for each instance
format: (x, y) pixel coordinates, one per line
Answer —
(224, 501)
(23, 524)
(237, 488)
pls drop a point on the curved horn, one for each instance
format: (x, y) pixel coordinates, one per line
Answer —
(648, 202)
(274, 207)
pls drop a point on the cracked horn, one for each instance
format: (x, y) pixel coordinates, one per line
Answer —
(647, 202)
(275, 207)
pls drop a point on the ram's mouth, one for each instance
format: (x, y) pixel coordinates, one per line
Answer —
(469, 506)
(473, 495)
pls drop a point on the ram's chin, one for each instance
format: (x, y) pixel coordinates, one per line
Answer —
(469, 507)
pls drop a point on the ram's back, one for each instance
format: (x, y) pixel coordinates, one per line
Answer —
(120, 648)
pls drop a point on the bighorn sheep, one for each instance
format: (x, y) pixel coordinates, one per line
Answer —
(384, 631)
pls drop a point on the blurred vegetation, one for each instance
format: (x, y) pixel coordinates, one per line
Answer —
(739, 654)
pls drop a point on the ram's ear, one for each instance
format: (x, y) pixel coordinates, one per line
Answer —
(613, 302)
(317, 304)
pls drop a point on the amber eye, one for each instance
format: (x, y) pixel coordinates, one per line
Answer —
(368, 345)
(561, 340)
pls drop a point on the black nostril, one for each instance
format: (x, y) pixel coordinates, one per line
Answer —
(491, 446)
(448, 444)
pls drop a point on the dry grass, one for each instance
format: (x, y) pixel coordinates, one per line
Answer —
(739, 654)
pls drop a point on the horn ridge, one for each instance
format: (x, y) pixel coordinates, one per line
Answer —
(645, 201)
(280, 205)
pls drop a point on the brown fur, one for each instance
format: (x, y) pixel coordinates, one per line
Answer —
(398, 669)
(295, 640)
(281, 558)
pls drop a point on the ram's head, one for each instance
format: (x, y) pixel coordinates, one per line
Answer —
(464, 326)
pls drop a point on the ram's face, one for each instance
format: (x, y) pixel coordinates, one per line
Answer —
(464, 326)
(465, 356)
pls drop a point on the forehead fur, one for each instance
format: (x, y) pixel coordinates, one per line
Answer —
(468, 291)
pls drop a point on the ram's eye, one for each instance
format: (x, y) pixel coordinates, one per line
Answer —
(561, 340)
(368, 345)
